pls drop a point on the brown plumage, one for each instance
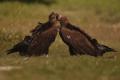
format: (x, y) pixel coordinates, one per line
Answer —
(21, 47)
(78, 41)
(44, 36)
(36, 29)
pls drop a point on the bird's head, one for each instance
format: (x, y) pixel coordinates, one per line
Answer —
(63, 20)
(53, 17)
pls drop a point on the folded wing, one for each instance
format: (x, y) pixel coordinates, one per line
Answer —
(80, 42)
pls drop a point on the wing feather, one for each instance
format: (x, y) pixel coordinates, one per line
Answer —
(73, 37)
(42, 41)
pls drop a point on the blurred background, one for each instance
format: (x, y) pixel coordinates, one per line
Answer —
(98, 18)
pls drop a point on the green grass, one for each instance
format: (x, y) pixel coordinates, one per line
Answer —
(100, 19)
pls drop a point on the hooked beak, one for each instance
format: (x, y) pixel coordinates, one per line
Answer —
(59, 17)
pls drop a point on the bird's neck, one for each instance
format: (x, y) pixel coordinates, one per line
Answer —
(65, 24)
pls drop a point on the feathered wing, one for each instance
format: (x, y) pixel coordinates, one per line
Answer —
(77, 41)
(72, 27)
(42, 40)
(80, 42)
(21, 47)
(37, 28)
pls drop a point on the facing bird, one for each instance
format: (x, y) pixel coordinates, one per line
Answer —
(45, 36)
(78, 41)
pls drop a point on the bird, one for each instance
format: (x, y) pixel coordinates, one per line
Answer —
(44, 36)
(21, 47)
(78, 41)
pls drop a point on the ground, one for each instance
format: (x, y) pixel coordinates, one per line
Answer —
(100, 19)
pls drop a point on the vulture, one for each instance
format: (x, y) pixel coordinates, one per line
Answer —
(43, 36)
(21, 47)
(79, 42)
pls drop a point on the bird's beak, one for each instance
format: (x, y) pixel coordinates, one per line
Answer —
(59, 17)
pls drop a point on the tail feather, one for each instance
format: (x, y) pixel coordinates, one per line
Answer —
(10, 51)
(108, 49)
(105, 48)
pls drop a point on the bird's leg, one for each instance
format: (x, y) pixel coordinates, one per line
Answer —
(46, 52)
(47, 55)
(26, 58)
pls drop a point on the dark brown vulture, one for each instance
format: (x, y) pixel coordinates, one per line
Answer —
(21, 47)
(78, 41)
(44, 36)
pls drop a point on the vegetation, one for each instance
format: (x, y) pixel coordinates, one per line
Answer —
(100, 19)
